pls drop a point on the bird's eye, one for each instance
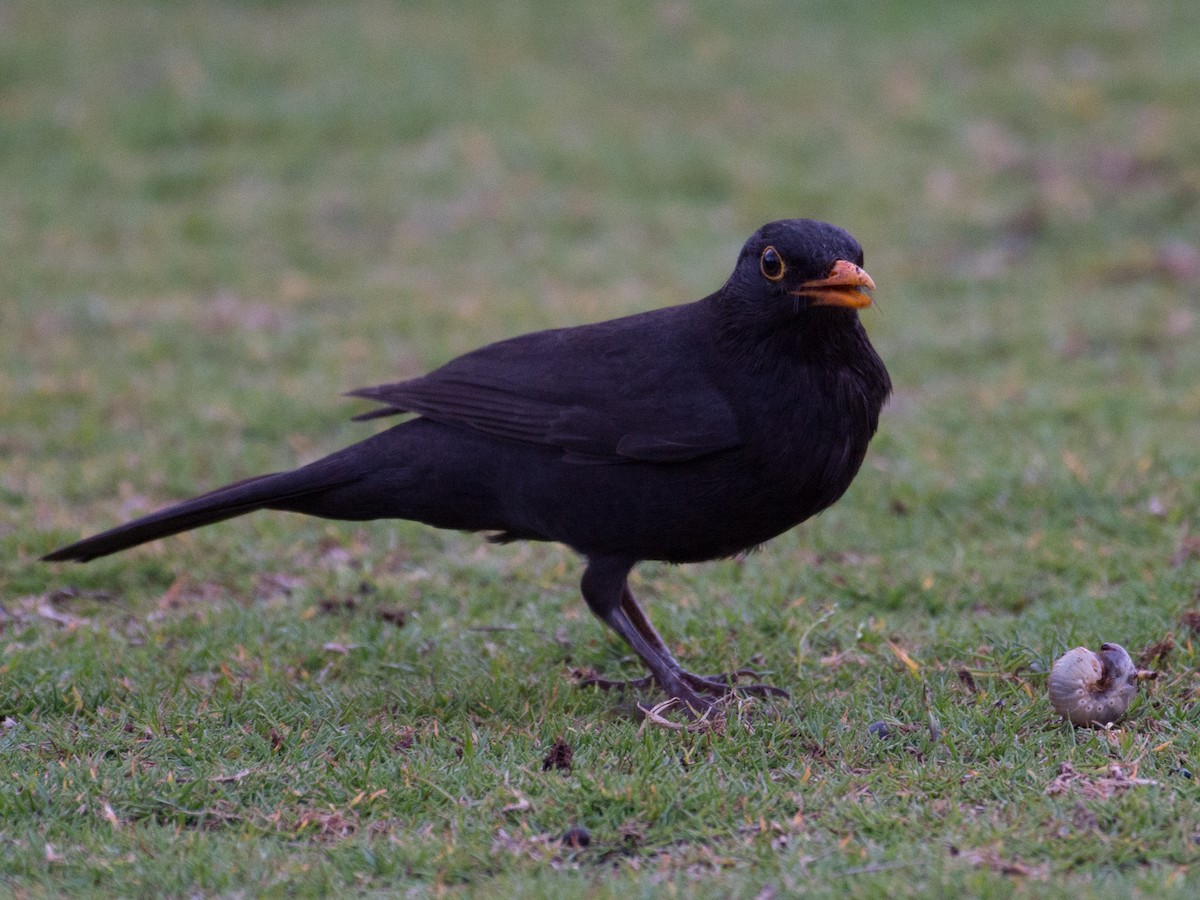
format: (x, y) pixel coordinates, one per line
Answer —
(771, 264)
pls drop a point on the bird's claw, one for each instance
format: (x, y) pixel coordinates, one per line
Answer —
(716, 686)
(608, 684)
(731, 682)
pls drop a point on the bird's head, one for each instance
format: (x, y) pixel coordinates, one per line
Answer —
(794, 265)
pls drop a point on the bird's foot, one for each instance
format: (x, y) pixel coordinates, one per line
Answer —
(688, 686)
(732, 682)
(677, 688)
(589, 679)
(702, 697)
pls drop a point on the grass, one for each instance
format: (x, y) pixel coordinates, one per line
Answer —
(217, 217)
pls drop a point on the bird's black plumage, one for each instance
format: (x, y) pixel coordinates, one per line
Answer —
(681, 434)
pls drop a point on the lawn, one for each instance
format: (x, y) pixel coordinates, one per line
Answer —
(217, 217)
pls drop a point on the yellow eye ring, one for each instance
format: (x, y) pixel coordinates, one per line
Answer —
(771, 264)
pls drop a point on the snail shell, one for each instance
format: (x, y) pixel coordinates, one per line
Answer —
(1093, 688)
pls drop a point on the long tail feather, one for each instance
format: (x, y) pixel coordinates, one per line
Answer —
(233, 500)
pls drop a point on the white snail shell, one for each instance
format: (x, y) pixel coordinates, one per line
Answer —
(1093, 688)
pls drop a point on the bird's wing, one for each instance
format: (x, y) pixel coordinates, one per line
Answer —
(629, 389)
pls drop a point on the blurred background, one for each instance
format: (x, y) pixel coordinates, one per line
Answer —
(217, 216)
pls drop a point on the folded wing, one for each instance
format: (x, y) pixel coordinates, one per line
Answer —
(638, 388)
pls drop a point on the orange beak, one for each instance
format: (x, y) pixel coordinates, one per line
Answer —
(846, 286)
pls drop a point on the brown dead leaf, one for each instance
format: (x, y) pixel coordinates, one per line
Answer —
(902, 655)
(1093, 787)
(589, 677)
(1075, 465)
(632, 832)
(273, 584)
(226, 779)
(1083, 819)
(406, 738)
(68, 621)
(1156, 652)
(522, 804)
(1191, 620)
(560, 757)
(536, 846)
(576, 837)
(1188, 549)
(170, 597)
(968, 680)
(989, 858)
(63, 594)
(839, 658)
(333, 605)
(328, 824)
(334, 555)
(396, 615)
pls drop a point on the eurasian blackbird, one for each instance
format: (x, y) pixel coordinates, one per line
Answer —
(681, 434)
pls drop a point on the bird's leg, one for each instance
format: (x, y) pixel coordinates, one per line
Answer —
(709, 684)
(604, 588)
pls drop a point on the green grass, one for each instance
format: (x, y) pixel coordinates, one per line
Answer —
(216, 217)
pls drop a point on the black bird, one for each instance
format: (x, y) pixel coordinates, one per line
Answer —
(681, 434)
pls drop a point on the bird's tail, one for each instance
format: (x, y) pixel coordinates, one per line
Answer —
(278, 491)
